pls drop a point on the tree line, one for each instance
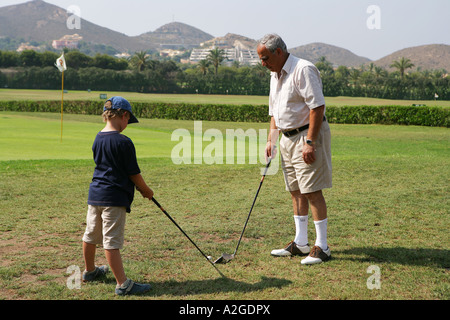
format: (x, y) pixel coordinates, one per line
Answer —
(143, 73)
(377, 82)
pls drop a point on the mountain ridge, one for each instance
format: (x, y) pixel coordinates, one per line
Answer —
(40, 21)
(336, 55)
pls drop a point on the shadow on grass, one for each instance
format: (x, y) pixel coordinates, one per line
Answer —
(213, 286)
(407, 256)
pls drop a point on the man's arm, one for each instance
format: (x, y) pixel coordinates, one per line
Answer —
(272, 139)
(315, 123)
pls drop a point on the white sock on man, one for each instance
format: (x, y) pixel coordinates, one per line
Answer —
(301, 230)
(321, 233)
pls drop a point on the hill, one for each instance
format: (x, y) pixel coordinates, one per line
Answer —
(38, 21)
(174, 35)
(427, 57)
(232, 40)
(336, 55)
(42, 22)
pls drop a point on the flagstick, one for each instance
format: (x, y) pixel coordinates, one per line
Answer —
(62, 104)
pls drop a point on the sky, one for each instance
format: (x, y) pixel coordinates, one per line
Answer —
(368, 28)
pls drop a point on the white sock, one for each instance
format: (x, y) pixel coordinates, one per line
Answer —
(301, 230)
(124, 285)
(321, 233)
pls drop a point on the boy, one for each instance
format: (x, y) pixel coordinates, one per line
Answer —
(111, 193)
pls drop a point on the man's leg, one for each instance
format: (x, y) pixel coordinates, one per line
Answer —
(318, 205)
(301, 208)
(300, 244)
(320, 251)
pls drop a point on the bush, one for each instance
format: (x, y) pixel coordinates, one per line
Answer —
(400, 115)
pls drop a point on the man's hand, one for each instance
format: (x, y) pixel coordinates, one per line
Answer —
(308, 152)
(271, 146)
(271, 150)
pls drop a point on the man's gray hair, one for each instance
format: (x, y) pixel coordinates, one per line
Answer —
(273, 41)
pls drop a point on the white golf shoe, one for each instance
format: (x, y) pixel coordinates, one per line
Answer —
(317, 255)
(291, 249)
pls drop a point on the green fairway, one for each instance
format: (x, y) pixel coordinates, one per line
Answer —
(19, 94)
(388, 208)
(38, 136)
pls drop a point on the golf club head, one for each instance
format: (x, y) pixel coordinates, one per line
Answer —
(224, 258)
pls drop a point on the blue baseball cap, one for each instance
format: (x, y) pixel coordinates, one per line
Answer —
(122, 103)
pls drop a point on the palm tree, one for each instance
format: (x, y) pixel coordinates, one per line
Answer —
(325, 67)
(260, 70)
(379, 72)
(402, 65)
(216, 56)
(203, 65)
(140, 60)
(354, 75)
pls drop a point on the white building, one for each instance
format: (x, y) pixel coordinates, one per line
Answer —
(243, 56)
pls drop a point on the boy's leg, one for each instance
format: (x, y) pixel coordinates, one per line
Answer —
(115, 263)
(89, 256)
(92, 236)
(92, 272)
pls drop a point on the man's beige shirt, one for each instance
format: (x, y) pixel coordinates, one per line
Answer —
(295, 93)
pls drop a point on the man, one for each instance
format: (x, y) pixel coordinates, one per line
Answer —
(297, 110)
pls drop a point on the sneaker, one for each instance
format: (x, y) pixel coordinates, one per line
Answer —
(292, 249)
(130, 287)
(317, 255)
(93, 275)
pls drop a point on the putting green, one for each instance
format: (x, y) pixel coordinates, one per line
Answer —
(27, 136)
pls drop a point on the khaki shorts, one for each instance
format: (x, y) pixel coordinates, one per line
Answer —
(105, 225)
(306, 177)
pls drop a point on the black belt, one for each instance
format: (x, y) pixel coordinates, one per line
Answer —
(293, 132)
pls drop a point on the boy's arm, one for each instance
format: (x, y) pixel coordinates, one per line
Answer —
(141, 186)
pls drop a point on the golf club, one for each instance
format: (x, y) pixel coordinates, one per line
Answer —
(226, 257)
(176, 224)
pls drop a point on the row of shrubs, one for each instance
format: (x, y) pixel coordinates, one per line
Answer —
(401, 115)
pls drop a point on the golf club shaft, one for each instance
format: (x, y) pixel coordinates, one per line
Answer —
(254, 200)
(176, 224)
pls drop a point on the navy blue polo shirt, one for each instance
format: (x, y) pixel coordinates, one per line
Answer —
(115, 159)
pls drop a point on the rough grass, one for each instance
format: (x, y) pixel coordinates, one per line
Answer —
(388, 208)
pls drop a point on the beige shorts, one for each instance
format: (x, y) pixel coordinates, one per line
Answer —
(105, 225)
(307, 177)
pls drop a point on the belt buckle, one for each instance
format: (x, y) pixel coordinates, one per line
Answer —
(290, 133)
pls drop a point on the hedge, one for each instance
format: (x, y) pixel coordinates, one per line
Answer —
(400, 115)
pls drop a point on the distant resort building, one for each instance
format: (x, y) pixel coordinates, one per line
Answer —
(170, 53)
(243, 56)
(68, 41)
(27, 46)
(236, 48)
(123, 55)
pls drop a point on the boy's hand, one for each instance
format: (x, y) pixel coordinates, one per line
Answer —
(146, 193)
(141, 186)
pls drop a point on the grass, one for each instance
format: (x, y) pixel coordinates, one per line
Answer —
(389, 207)
(25, 94)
